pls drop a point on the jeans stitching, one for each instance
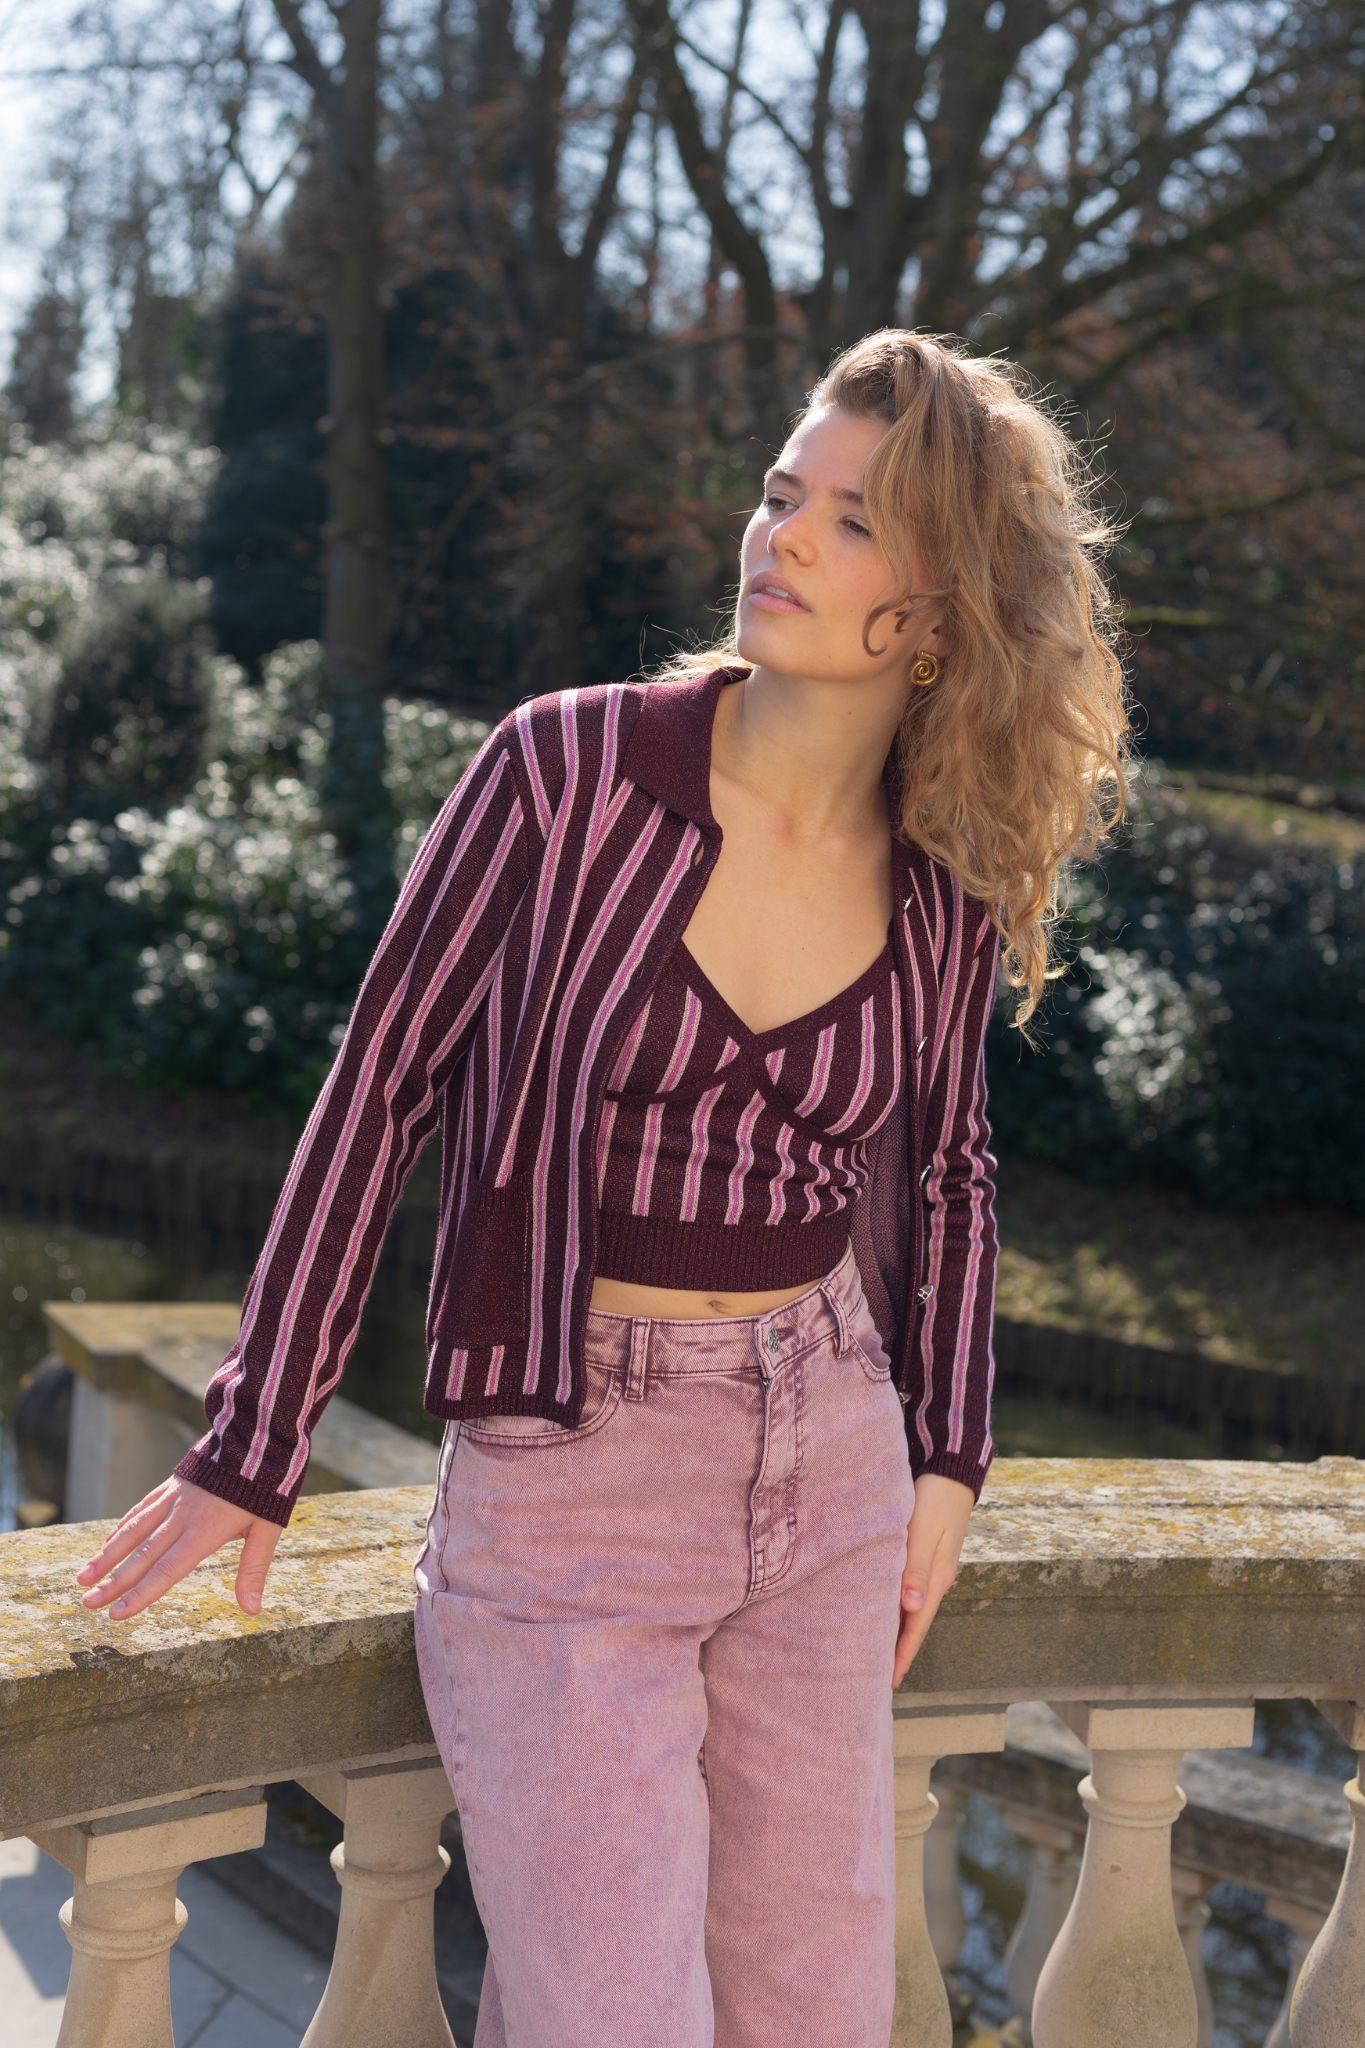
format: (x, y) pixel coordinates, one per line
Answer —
(559, 1434)
(791, 1487)
(876, 1373)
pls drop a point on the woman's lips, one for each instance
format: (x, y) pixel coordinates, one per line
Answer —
(770, 599)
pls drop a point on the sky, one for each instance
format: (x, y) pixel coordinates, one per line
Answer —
(28, 29)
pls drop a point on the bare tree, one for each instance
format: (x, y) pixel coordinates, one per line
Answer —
(345, 90)
(1000, 168)
(531, 136)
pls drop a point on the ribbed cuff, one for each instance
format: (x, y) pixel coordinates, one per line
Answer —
(229, 1485)
(959, 1465)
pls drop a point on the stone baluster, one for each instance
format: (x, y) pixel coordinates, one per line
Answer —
(1051, 1884)
(921, 1735)
(124, 1917)
(1305, 1925)
(381, 1991)
(1329, 1997)
(945, 1911)
(1190, 1890)
(1117, 1971)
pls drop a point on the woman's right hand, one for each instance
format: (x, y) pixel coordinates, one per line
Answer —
(167, 1535)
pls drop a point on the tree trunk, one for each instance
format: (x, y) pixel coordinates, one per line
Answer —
(553, 627)
(356, 610)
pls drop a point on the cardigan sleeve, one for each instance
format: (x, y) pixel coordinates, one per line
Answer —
(949, 1421)
(411, 1028)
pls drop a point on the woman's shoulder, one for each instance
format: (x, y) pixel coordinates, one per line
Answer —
(936, 896)
(561, 741)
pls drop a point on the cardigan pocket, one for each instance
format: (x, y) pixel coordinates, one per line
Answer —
(484, 1298)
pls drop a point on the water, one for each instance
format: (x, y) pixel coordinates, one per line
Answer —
(1246, 1954)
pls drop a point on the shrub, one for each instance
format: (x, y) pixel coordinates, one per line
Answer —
(1211, 1025)
(205, 943)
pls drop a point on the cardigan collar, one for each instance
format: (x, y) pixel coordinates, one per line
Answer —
(669, 752)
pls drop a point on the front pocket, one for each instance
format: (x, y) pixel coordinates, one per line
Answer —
(871, 1357)
(540, 1432)
(485, 1295)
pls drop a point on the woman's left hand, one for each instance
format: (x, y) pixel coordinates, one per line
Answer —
(937, 1529)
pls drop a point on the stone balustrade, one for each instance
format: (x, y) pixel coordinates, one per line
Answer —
(1149, 1603)
(1280, 1830)
(141, 1369)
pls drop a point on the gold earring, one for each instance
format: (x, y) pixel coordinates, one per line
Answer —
(925, 670)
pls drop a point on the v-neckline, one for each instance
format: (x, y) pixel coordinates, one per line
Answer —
(702, 985)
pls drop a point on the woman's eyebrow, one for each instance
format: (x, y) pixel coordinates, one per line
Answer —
(787, 476)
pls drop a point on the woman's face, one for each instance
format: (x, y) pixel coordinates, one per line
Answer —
(811, 571)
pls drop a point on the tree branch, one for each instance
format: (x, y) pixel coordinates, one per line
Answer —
(741, 247)
(1253, 501)
(765, 107)
(1233, 224)
(604, 201)
(307, 61)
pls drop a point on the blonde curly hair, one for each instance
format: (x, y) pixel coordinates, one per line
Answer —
(1012, 765)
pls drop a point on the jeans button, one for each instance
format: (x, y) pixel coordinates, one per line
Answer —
(774, 1341)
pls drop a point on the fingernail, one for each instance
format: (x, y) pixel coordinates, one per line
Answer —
(119, 1607)
(912, 1600)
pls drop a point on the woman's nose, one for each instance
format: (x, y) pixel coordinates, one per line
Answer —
(790, 533)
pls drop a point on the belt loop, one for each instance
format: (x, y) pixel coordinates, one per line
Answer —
(843, 1333)
(639, 1354)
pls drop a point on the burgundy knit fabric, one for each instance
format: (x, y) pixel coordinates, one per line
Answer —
(531, 930)
(732, 1159)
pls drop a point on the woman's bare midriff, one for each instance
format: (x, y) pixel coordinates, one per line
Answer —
(686, 1304)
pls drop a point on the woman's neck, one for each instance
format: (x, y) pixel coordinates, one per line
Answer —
(814, 750)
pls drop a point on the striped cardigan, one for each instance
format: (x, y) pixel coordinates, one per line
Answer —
(530, 931)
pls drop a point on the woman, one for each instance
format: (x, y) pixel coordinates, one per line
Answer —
(700, 971)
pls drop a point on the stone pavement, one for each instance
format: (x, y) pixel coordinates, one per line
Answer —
(236, 1980)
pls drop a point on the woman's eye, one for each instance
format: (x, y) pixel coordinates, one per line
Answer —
(854, 526)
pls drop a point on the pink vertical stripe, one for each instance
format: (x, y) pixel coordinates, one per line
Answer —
(777, 1202)
(743, 1166)
(824, 1055)
(654, 1119)
(867, 1066)
(701, 1118)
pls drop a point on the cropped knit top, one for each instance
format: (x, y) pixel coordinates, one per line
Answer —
(730, 1159)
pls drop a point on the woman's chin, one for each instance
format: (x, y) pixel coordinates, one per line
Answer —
(775, 641)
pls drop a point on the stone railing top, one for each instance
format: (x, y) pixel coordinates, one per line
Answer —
(1161, 1578)
(164, 1354)
(1081, 1579)
(97, 1715)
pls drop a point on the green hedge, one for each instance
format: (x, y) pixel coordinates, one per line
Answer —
(1211, 1025)
(208, 942)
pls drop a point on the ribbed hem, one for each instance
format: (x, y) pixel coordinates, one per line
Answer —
(738, 1258)
(959, 1465)
(229, 1485)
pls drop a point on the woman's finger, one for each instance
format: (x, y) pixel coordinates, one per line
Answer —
(161, 1573)
(921, 1549)
(917, 1621)
(128, 1533)
(137, 1562)
(257, 1552)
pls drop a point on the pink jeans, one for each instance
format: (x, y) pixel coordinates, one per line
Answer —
(656, 1651)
